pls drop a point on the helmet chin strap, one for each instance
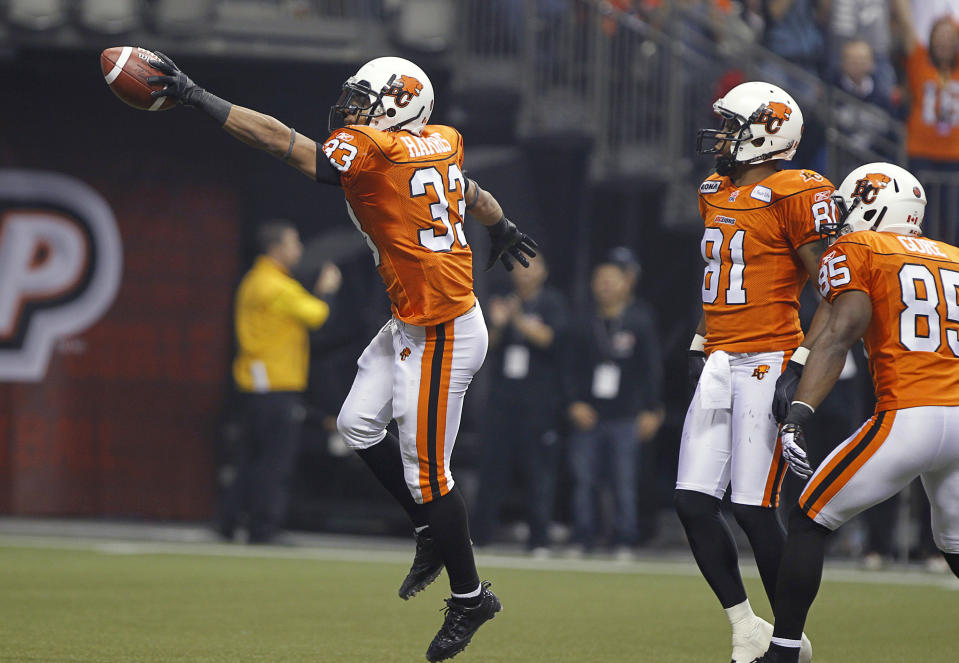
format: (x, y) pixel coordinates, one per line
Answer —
(725, 166)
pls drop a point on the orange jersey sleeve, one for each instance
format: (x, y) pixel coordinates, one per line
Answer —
(932, 128)
(405, 194)
(753, 275)
(913, 336)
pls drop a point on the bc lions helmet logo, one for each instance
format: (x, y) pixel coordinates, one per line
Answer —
(404, 88)
(868, 187)
(773, 115)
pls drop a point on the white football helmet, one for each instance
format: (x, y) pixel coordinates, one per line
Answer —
(761, 122)
(386, 93)
(878, 196)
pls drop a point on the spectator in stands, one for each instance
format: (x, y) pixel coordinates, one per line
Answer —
(863, 21)
(867, 126)
(614, 380)
(525, 331)
(926, 12)
(794, 31)
(932, 128)
(273, 314)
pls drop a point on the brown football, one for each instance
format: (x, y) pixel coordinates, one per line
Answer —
(126, 70)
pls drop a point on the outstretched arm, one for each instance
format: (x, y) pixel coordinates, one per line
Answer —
(255, 129)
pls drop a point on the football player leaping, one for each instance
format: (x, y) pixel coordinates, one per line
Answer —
(760, 243)
(899, 292)
(406, 193)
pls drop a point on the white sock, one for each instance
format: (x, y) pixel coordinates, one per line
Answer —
(739, 612)
(473, 594)
(785, 642)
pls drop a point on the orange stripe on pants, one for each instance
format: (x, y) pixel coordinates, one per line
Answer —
(422, 413)
(843, 466)
(774, 479)
(441, 408)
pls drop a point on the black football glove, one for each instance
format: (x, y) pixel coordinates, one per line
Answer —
(793, 440)
(177, 84)
(785, 390)
(696, 361)
(508, 243)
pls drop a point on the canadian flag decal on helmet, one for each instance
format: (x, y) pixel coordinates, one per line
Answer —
(404, 88)
(868, 187)
(773, 115)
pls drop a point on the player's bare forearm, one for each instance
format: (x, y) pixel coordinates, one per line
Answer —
(483, 206)
(819, 320)
(701, 327)
(848, 319)
(258, 130)
(267, 133)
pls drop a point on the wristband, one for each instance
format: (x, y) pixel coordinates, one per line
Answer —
(289, 150)
(799, 413)
(800, 356)
(698, 344)
(499, 227)
(212, 105)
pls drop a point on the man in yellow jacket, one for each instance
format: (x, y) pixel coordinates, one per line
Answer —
(273, 317)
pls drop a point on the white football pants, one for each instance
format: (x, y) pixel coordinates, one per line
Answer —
(884, 456)
(418, 376)
(730, 435)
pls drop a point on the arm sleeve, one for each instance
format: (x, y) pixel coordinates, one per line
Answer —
(295, 301)
(844, 267)
(326, 173)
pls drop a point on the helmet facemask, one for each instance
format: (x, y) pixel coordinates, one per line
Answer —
(726, 140)
(358, 104)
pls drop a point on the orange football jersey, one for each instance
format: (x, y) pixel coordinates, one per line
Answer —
(932, 130)
(753, 275)
(913, 336)
(405, 193)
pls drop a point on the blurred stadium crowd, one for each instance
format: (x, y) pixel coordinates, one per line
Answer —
(604, 98)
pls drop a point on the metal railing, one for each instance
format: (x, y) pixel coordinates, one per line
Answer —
(641, 91)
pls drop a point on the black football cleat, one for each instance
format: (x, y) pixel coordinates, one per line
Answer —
(461, 623)
(427, 565)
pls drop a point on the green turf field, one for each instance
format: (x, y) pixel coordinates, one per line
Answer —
(213, 603)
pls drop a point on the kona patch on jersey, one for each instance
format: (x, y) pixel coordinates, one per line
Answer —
(728, 220)
(763, 193)
(709, 186)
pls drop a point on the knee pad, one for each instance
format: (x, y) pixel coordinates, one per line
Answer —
(691, 505)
